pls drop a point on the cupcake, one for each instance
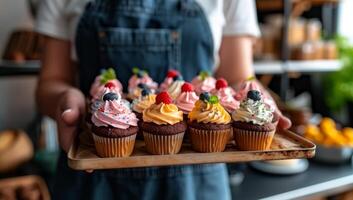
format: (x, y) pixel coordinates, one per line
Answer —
(252, 84)
(163, 126)
(209, 125)
(141, 76)
(97, 102)
(186, 99)
(168, 80)
(114, 128)
(254, 123)
(225, 95)
(144, 101)
(175, 88)
(203, 83)
(139, 105)
(137, 91)
(99, 82)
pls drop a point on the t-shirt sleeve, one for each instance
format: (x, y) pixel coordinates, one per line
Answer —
(51, 20)
(240, 17)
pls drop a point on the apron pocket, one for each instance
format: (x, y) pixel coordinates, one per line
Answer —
(154, 50)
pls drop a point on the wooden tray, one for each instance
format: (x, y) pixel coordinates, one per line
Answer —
(26, 180)
(285, 145)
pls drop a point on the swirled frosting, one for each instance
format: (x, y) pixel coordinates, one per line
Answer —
(186, 101)
(143, 102)
(253, 85)
(97, 101)
(256, 112)
(145, 79)
(163, 114)
(226, 98)
(175, 88)
(165, 84)
(115, 114)
(206, 85)
(97, 87)
(204, 112)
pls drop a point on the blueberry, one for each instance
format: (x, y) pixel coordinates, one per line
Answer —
(178, 78)
(142, 86)
(205, 96)
(110, 96)
(254, 95)
(145, 92)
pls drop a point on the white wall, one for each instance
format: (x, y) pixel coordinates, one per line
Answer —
(16, 93)
(345, 17)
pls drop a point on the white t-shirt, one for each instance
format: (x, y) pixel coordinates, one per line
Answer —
(59, 19)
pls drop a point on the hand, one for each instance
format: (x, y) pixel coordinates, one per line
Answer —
(69, 112)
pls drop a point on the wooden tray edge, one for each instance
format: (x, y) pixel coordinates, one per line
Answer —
(305, 152)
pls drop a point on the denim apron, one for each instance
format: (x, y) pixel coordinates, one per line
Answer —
(154, 35)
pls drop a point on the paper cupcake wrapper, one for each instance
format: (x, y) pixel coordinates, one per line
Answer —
(207, 141)
(114, 147)
(163, 144)
(253, 140)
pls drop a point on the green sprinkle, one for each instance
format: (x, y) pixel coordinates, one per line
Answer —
(213, 99)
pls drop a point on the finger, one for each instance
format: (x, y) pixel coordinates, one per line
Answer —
(72, 107)
(66, 134)
(71, 116)
(284, 122)
(89, 170)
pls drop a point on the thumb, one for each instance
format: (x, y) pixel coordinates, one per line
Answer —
(283, 121)
(70, 116)
(71, 108)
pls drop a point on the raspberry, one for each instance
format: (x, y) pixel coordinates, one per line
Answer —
(221, 83)
(109, 85)
(172, 73)
(187, 87)
(163, 97)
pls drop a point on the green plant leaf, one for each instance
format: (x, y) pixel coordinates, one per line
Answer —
(108, 75)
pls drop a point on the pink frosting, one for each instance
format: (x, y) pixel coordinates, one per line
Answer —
(134, 81)
(203, 85)
(166, 83)
(226, 98)
(97, 86)
(252, 85)
(186, 101)
(104, 90)
(115, 114)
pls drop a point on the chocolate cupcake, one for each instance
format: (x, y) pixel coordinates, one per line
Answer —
(114, 128)
(209, 125)
(139, 105)
(163, 126)
(254, 123)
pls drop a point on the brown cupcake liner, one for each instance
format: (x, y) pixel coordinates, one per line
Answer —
(253, 140)
(207, 141)
(163, 144)
(114, 147)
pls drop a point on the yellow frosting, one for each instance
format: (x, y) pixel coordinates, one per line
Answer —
(139, 105)
(209, 113)
(163, 114)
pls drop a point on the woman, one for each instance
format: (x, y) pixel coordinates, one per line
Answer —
(187, 35)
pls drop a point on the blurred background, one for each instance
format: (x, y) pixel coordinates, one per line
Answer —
(305, 56)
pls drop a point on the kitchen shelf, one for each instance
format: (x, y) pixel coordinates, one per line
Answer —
(10, 68)
(306, 66)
